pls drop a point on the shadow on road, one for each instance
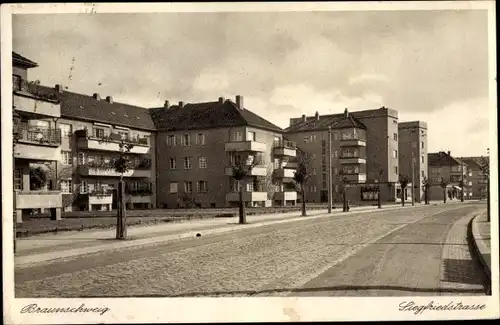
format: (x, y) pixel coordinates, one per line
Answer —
(461, 271)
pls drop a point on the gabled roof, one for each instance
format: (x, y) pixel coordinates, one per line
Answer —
(19, 60)
(336, 121)
(441, 159)
(207, 115)
(473, 162)
(84, 107)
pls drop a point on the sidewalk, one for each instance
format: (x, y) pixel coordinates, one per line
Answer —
(38, 249)
(481, 236)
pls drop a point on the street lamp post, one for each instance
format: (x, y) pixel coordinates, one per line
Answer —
(463, 181)
(330, 199)
(379, 202)
(412, 179)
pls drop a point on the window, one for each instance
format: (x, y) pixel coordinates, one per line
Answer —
(336, 136)
(201, 187)
(18, 179)
(16, 82)
(251, 136)
(188, 187)
(396, 170)
(435, 170)
(422, 159)
(81, 158)
(66, 157)
(422, 143)
(84, 187)
(236, 186)
(174, 187)
(336, 188)
(99, 132)
(335, 154)
(202, 162)
(237, 136)
(335, 170)
(65, 130)
(423, 173)
(395, 136)
(414, 144)
(171, 140)
(314, 171)
(200, 139)
(306, 139)
(250, 187)
(470, 183)
(350, 170)
(323, 184)
(350, 153)
(187, 162)
(394, 154)
(277, 164)
(123, 134)
(470, 173)
(173, 163)
(66, 186)
(185, 140)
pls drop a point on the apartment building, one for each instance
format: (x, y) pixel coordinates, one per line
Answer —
(444, 167)
(412, 145)
(364, 152)
(88, 131)
(199, 145)
(476, 180)
(38, 144)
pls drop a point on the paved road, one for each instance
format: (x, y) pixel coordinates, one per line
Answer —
(415, 251)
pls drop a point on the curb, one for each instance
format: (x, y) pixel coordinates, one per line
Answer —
(480, 250)
(36, 259)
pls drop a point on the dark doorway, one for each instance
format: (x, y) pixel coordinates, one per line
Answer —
(324, 196)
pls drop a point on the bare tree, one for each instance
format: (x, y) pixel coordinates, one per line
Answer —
(267, 182)
(241, 169)
(443, 185)
(485, 170)
(426, 186)
(302, 175)
(403, 182)
(121, 163)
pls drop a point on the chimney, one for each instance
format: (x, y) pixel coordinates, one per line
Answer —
(239, 101)
(96, 96)
(181, 104)
(346, 114)
(317, 116)
(221, 100)
(166, 104)
(59, 88)
(109, 99)
(449, 153)
(304, 117)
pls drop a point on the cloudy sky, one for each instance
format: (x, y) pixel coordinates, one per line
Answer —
(428, 65)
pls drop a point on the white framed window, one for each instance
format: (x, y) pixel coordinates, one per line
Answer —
(65, 130)
(188, 187)
(200, 139)
(173, 163)
(422, 159)
(306, 139)
(185, 140)
(237, 136)
(81, 158)
(174, 187)
(236, 186)
(470, 173)
(18, 179)
(250, 187)
(202, 162)
(201, 187)
(187, 163)
(66, 186)
(470, 183)
(99, 132)
(84, 188)
(396, 170)
(395, 136)
(423, 173)
(335, 154)
(251, 136)
(394, 154)
(171, 140)
(66, 157)
(422, 143)
(277, 163)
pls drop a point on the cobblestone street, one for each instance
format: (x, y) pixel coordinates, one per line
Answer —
(412, 251)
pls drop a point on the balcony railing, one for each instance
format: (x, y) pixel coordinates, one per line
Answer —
(38, 135)
(23, 86)
(284, 144)
(345, 137)
(113, 137)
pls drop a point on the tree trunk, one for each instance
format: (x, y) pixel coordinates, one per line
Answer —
(344, 200)
(403, 197)
(121, 229)
(379, 199)
(444, 195)
(488, 212)
(304, 213)
(242, 214)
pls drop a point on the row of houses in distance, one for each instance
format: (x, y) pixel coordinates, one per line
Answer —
(184, 154)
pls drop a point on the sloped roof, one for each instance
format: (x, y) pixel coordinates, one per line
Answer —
(18, 59)
(336, 121)
(207, 115)
(441, 159)
(473, 162)
(84, 107)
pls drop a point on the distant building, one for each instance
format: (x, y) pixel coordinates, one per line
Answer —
(476, 180)
(445, 169)
(199, 144)
(413, 146)
(364, 152)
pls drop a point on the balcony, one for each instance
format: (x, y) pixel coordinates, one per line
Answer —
(38, 199)
(100, 197)
(284, 173)
(109, 171)
(255, 171)
(247, 196)
(355, 178)
(138, 199)
(37, 143)
(346, 160)
(285, 196)
(284, 148)
(110, 143)
(27, 102)
(291, 164)
(352, 141)
(250, 146)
